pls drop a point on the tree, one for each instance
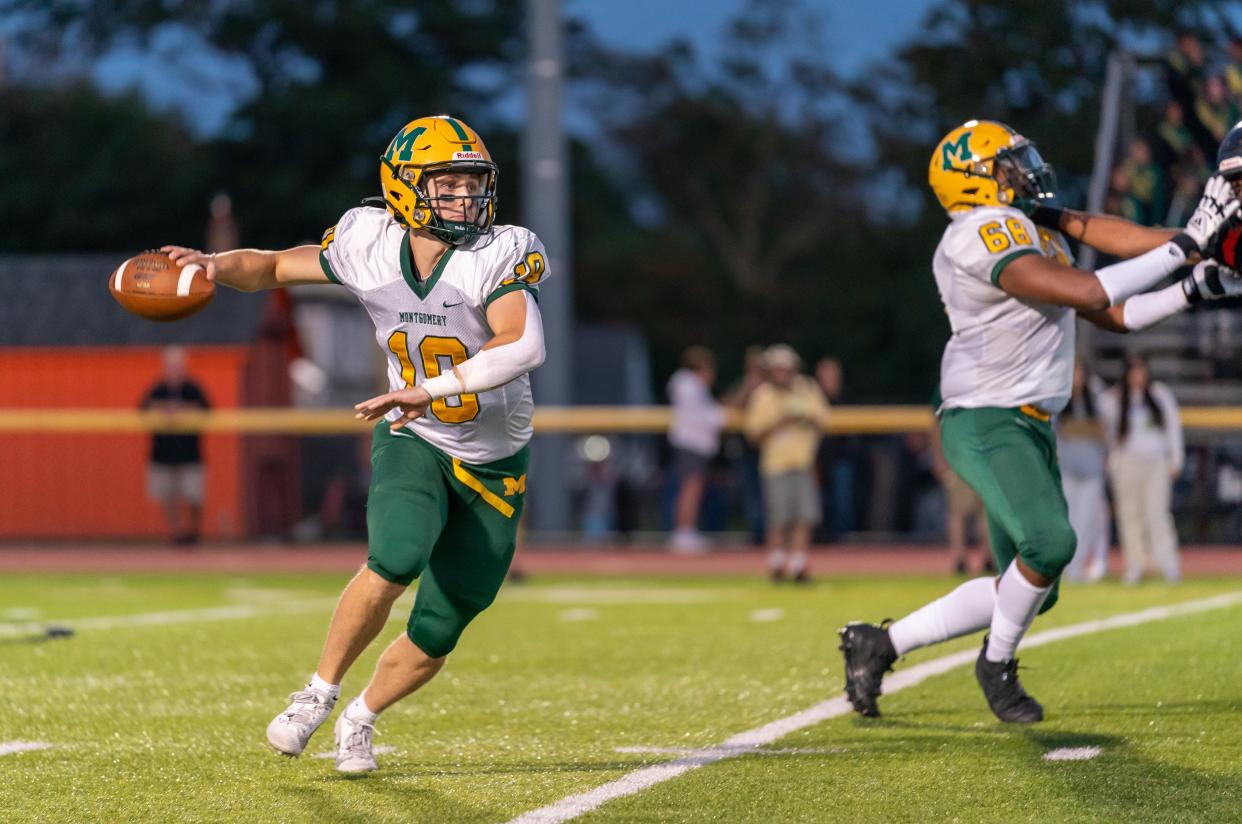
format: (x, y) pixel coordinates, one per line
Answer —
(334, 80)
(83, 171)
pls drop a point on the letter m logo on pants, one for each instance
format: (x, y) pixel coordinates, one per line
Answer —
(515, 486)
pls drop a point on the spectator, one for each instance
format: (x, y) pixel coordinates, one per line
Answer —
(837, 461)
(963, 511)
(695, 438)
(1173, 132)
(1083, 453)
(785, 417)
(1147, 456)
(1121, 196)
(1216, 109)
(1145, 184)
(1187, 85)
(222, 233)
(744, 452)
(1233, 71)
(753, 375)
(175, 474)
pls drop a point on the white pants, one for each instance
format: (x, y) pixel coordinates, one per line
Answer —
(1142, 489)
(1088, 514)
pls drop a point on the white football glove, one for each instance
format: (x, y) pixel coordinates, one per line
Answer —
(1215, 207)
(1211, 281)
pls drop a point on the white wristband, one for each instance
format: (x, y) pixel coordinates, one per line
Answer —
(1142, 311)
(445, 385)
(1121, 280)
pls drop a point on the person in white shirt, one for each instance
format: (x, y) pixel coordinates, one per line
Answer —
(695, 438)
(1083, 451)
(1147, 457)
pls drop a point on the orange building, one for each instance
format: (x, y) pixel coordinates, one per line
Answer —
(65, 344)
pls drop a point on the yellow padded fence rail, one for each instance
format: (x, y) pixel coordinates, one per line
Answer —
(852, 420)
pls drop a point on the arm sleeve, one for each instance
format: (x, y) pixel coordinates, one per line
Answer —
(984, 242)
(490, 368)
(1148, 309)
(1129, 277)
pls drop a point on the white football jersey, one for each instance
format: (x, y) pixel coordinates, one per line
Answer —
(1004, 351)
(427, 326)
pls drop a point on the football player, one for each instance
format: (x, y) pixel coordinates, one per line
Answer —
(1009, 287)
(454, 303)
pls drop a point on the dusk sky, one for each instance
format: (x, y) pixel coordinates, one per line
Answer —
(856, 34)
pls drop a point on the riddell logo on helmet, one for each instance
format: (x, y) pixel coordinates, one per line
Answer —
(1230, 163)
(468, 156)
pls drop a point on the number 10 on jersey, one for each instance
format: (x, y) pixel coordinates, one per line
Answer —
(437, 353)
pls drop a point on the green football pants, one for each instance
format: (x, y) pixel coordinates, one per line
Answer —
(1009, 457)
(451, 525)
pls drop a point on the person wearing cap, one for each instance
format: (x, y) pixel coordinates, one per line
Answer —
(786, 417)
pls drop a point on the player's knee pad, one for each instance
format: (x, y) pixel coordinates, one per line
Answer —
(437, 622)
(1062, 543)
(1049, 548)
(397, 573)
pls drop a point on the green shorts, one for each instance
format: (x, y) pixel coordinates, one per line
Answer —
(451, 525)
(1009, 457)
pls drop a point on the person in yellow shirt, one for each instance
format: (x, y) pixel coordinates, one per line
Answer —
(785, 418)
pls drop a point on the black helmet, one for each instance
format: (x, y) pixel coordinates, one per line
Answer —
(1229, 155)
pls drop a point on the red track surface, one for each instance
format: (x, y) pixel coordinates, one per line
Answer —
(606, 561)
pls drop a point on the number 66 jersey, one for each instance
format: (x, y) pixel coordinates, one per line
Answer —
(427, 326)
(1004, 352)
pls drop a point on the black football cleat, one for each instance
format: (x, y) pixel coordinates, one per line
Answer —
(1009, 702)
(869, 654)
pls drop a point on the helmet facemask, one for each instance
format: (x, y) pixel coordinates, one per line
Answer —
(454, 217)
(1025, 171)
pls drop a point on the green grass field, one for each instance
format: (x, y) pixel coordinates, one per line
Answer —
(163, 719)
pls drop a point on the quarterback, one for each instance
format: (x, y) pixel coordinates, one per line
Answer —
(1008, 285)
(454, 303)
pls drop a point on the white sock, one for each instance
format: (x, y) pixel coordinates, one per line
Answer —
(359, 711)
(319, 685)
(797, 563)
(1017, 603)
(965, 610)
(776, 559)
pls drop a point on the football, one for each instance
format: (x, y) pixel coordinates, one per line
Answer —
(152, 286)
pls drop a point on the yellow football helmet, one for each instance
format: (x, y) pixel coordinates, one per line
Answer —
(965, 165)
(422, 148)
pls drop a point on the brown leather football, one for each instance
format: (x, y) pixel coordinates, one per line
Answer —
(152, 286)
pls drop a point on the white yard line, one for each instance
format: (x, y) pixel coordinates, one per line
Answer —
(180, 616)
(748, 741)
(10, 747)
(1072, 754)
(747, 751)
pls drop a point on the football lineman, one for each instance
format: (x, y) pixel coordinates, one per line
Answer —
(1008, 285)
(454, 303)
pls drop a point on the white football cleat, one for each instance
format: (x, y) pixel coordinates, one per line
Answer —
(290, 730)
(353, 745)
